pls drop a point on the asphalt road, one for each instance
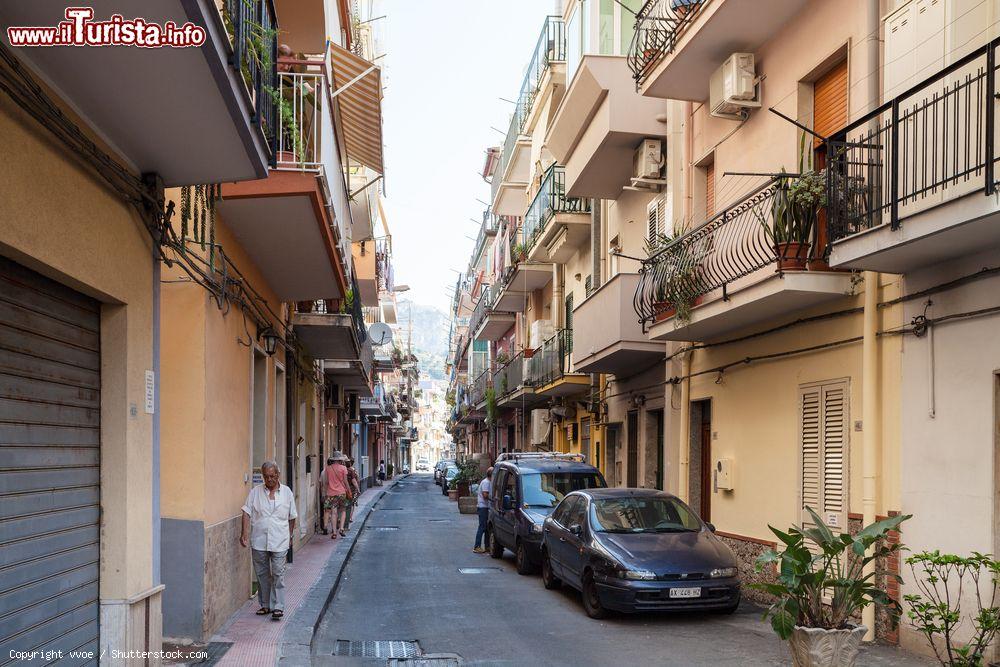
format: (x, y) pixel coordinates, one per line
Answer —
(404, 584)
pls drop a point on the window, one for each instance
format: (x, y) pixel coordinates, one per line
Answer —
(710, 190)
(547, 489)
(510, 486)
(656, 219)
(642, 515)
(824, 446)
(562, 512)
(577, 512)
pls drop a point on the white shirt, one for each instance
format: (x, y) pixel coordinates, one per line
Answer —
(269, 518)
(484, 487)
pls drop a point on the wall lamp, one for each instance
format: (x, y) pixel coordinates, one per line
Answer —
(270, 339)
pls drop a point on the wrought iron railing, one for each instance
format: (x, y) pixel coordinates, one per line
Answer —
(482, 309)
(659, 25)
(299, 136)
(253, 33)
(353, 306)
(730, 245)
(515, 130)
(479, 385)
(931, 144)
(509, 377)
(551, 361)
(549, 200)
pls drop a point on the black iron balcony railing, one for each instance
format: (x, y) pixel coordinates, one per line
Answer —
(931, 144)
(478, 389)
(659, 25)
(551, 361)
(728, 246)
(509, 377)
(549, 200)
(482, 309)
(253, 29)
(515, 130)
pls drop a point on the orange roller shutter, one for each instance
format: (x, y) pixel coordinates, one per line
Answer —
(830, 101)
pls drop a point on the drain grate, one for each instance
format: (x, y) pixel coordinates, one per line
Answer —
(377, 649)
(384, 527)
(478, 570)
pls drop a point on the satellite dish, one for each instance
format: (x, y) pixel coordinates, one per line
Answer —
(380, 333)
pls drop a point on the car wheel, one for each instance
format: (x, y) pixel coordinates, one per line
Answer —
(592, 599)
(522, 560)
(549, 580)
(496, 549)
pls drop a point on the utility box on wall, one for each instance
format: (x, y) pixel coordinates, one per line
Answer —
(725, 478)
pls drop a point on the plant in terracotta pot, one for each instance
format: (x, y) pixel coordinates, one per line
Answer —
(680, 290)
(795, 210)
(822, 584)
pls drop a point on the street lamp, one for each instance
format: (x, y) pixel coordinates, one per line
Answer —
(270, 339)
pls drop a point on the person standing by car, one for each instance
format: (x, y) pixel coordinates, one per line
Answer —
(483, 510)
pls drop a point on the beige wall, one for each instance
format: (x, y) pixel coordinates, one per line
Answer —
(59, 219)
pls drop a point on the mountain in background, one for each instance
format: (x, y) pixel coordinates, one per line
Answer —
(430, 336)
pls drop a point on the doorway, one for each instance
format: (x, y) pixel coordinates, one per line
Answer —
(585, 439)
(632, 455)
(612, 438)
(653, 450)
(700, 461)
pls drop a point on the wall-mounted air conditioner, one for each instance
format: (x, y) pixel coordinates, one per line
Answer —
(649, 159)
(733, 87)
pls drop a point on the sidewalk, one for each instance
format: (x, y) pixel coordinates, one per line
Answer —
(255, 640)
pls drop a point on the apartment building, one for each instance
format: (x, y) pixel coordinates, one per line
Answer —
(206, 204)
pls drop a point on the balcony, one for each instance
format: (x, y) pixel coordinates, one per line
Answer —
(486, 322)
(335, 333)
(549, 370)
(365, 259)
(913, 183)
(542, 88)
(520, 280)
(193, 115)
(285, 221)
(724, 275)
(678, 44)
(607, 336)
(600, 123)
(511, 388)
(555, 226)
(477, 392)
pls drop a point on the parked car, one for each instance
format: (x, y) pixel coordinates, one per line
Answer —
(635, 550)
(525, 490)
(423, 465)
(440, 467)
(449, 474)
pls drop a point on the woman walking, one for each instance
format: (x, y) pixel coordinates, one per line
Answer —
(337, 494)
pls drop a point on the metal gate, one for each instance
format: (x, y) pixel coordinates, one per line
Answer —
(49, 466)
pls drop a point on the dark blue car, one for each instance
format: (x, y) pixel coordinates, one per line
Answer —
(526, 488)
(633, 550)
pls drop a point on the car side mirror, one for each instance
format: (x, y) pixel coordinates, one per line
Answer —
(711, 526)
(576, 529)
(508, 503)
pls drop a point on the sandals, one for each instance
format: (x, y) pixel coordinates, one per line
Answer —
(343, 533)
(263, 611)
(277, 615)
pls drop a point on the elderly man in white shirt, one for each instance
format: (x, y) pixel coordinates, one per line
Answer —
(269, 518)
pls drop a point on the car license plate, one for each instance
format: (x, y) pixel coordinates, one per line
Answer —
(685, 592)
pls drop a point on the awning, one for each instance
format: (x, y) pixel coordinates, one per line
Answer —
(358, 91)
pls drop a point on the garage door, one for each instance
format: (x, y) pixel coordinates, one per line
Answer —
(49, 466)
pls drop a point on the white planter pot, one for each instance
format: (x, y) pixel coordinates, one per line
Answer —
(816, 647)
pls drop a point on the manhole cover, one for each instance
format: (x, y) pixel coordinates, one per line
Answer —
(377, 649)
(385, 527)
(478, 570)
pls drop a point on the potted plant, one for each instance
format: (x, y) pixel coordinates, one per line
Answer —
(795, 209)
(681, 289)
(519, 252)
(822, 584)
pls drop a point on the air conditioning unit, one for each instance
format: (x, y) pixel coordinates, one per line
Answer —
(540, 424)
(733, 89)
(649, 160)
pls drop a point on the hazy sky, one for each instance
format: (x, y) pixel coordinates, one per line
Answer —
(448, 62)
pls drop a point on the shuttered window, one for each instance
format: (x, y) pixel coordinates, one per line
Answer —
(824, 446)
(830, 101)
(656, 218)
(710, 190)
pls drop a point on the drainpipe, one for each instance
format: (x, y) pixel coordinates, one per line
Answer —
(683, 460)
(871, 422)
(557, 297)
(290, 383)
(596, 256)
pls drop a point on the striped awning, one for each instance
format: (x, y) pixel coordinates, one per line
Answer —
(358, 89)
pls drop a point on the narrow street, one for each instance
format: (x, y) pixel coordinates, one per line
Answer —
(403, 583)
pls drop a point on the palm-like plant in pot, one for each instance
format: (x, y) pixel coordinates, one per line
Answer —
(823, 582)
(795, 209)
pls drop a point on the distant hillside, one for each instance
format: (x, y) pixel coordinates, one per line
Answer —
(430, 336)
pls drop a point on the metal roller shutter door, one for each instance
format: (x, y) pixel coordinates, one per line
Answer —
(49, 466)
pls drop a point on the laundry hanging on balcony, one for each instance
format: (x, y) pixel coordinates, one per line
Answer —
(358, 92)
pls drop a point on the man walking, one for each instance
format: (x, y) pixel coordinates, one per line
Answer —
(336, 493)
(354, 483)
(381, 472)
(268, 519)
(483, 510)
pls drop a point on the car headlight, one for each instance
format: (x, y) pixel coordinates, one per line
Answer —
(723, 572)
(536, 529)
(637, 575)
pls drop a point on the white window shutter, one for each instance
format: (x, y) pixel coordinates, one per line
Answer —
(810, 443)
(824, 441)
(834, 454)
(656, 218)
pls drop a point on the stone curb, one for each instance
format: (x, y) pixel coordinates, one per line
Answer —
(295, 647)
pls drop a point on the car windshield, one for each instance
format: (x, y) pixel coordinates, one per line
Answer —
(548, 488)
(642, 515)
